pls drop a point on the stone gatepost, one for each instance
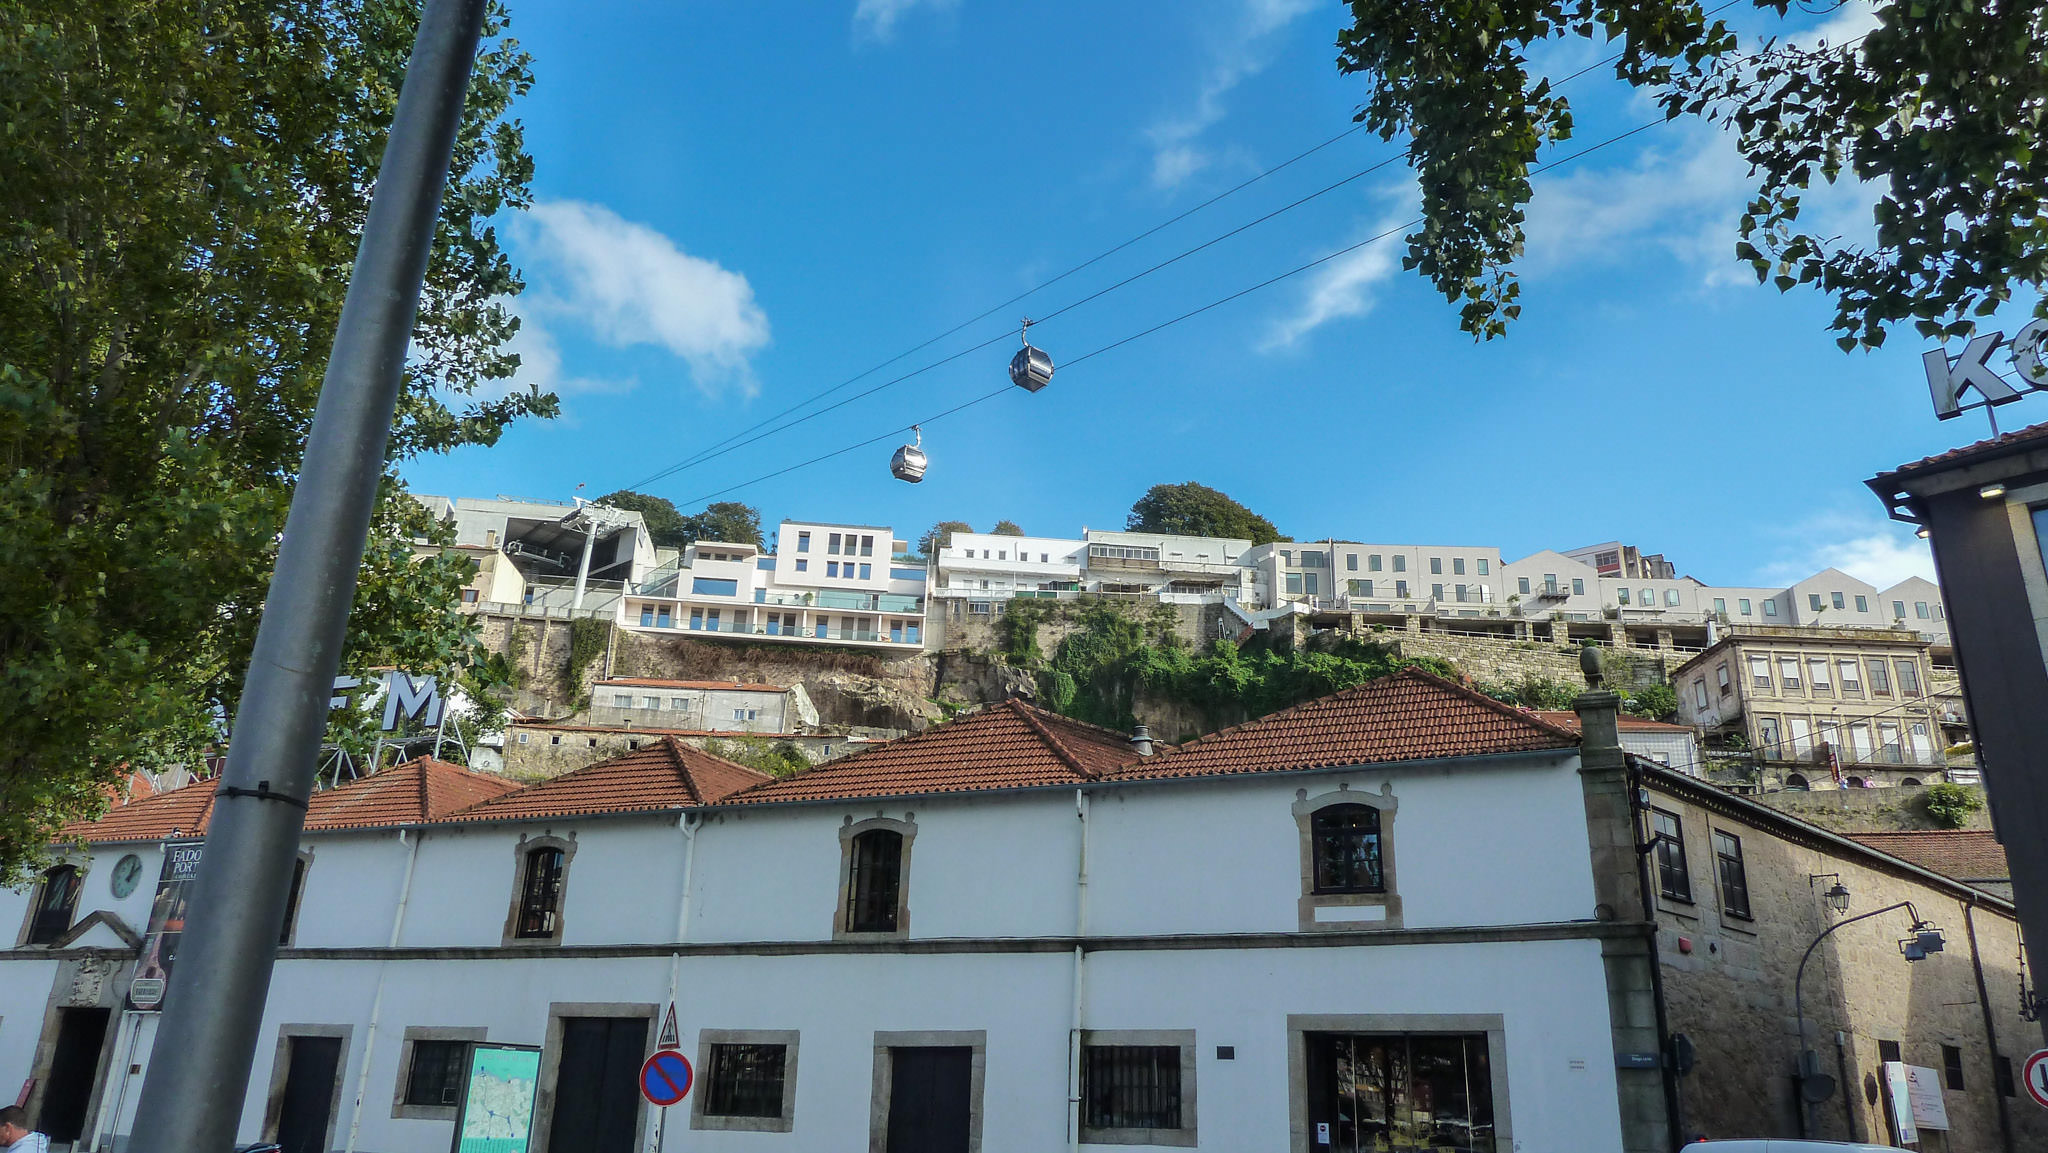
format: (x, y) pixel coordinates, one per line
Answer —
(1630, 961)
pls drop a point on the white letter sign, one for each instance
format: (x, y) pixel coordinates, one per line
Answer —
(406, 697)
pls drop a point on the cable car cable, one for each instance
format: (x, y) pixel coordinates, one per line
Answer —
(1097, 258)
(741, 439)
(1266, 283)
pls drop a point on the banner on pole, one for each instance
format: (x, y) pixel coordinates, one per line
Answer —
(166, 924)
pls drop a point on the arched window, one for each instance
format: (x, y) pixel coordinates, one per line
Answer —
(1795, 781)
(540, 895)
(1854, 782)
(56, 901)
(874, 881)
(1910, 782)
(1346, 843)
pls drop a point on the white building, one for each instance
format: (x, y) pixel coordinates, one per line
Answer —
(822, 584)
(1175, 569)
(992, 566)
(703, 706)
(964, 934)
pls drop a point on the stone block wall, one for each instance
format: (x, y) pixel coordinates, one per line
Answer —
(1729, 985)
(1863, 809)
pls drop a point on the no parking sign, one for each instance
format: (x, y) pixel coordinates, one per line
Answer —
(665, 1078)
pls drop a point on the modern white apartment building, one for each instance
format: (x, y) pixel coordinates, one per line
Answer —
(1177, 569)
(823, 584)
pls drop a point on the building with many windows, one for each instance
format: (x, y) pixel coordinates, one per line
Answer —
(1820, 708)
(822, 583)
(1004, 935)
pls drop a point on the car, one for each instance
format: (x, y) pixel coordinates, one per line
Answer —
(1782, 1145)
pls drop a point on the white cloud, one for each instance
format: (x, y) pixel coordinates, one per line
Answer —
(540, 361)
(1175, 155)
(1347, 286)
(629, 285)
(876, 19)
(1683, 192)
(1876, 551)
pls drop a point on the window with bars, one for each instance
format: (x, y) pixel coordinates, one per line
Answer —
(1131, 1087)
(1734, 878)
(56, 902)
(1673, 879)
(540, 895)
(745, 1080)
(1952, 1067)
(1345, 840)
(437, 1071)
(874, 881)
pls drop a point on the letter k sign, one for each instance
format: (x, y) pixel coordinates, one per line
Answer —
(1947, 381)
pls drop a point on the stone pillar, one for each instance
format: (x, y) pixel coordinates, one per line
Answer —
(1617, 634)
(1630, 961)
(1560, 631)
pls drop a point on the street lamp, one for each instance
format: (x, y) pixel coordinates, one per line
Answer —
(1814, 1085)
(1837, 896)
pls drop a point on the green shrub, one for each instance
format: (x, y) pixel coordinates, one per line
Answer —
(1949, 806)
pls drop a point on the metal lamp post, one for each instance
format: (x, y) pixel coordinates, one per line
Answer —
(1815, 1086)
(192, 1098)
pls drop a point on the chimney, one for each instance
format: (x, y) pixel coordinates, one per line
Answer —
(1141, 740)
(1599, 712)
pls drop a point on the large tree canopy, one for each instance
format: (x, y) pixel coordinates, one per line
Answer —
(185, 183)
(1941, 107)
(1192, 509)
(940, 535)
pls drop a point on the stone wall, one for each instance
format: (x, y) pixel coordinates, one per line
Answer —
(1729, 986)
(1863, 810)
(1487, 659)
(550, 752)
(953, 628)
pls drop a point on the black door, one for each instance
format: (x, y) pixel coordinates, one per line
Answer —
(311, 1080)
(597, 1085)
(73, 1068)
(930, 1098)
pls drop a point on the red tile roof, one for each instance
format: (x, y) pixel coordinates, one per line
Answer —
(728, 686)
(1005, 746)
(409, 794)
(2019, 440)
(1569, 721)
(413, 793)
(1965, 854)
(182, 810)
(665, 775)
(1408, 716)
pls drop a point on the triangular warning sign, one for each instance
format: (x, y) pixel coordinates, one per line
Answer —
(669, 1037)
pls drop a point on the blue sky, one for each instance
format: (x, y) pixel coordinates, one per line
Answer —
(740, 205)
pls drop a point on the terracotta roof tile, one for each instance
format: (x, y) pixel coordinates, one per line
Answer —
(2016, 441)
(182, 810)
(1006, 746)
(1965, 854)
(1410, 715)
(409, 794)
(665, 775)
(1569, 721)
(413, 793)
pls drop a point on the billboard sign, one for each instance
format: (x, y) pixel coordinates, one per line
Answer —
(166, 924)
(496, 1114)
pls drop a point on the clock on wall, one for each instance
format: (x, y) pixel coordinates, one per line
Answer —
(127, 871)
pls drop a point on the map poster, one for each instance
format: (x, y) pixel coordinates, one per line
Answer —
(496, 1115)
(166, 924)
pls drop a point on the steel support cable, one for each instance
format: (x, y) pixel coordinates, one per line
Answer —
(984, 315)
(1190, 314)
(743, 438)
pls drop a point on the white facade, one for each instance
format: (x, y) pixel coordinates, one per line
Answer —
(1023, 921)
(823, 583)
(702, 706)
(990, 565)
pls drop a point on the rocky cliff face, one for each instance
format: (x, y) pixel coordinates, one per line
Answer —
(850, 687)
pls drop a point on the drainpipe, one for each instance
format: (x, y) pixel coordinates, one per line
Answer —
(675, 957)
(355, 1119)
(1080, 931)
(1990, 1026)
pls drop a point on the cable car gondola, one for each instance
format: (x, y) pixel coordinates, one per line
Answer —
(909, 461)
(1031, 368)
